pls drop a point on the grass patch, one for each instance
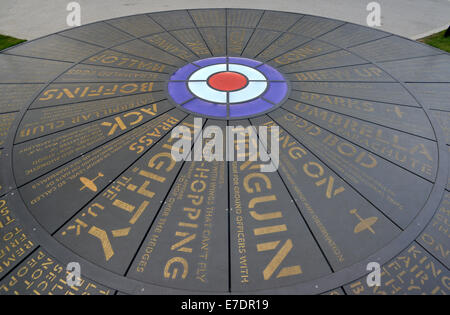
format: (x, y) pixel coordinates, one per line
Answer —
(8, 41)
(438, 40)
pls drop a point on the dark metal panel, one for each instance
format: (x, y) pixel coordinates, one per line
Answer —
(142, 49)
(336, 59)
(87, 73)
(42, 274)
(405, 118)
(425, 69)
(285, 43)
(208, 17)
(278, 21)
(271, 245)
(116, 59)
(36, 157)
(443, 120)
(6, 121)
(448, 182)
(171, 45)
(76, 183)
(379, 181)
(368, 73)
(392, 48)
(187, 245)
(237, 39)
(109, 230)
(3, 182)
(56, 47)
(352, 34)
(15, 69)
(413, 153)
(214, 38)
(339, 217)
(260, 40)
(173, 20)
(380, 92)
(435, 237)
(39, 122)
(432, 95)
(192, 39)
(15, 242)
(138, 25)
(243, 18)
(59, 94)
(313, 26)
(15, 96)
(98, 34)
(308, 50)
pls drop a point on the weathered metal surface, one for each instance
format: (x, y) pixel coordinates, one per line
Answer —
(87, 172)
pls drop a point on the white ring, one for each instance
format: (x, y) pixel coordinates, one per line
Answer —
(204, 73)
(204, 91)
(250, 73)
(198, 84)
(251, 91)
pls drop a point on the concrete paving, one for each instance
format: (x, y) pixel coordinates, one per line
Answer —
(30, 19)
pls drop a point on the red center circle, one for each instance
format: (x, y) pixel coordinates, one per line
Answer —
(227, 81)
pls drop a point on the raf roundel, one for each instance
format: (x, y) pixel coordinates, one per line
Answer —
(228, 88)
(227, 81)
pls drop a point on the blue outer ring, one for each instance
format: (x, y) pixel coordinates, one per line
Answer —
(276, 93)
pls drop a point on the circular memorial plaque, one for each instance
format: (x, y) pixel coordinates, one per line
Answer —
(90, 187)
